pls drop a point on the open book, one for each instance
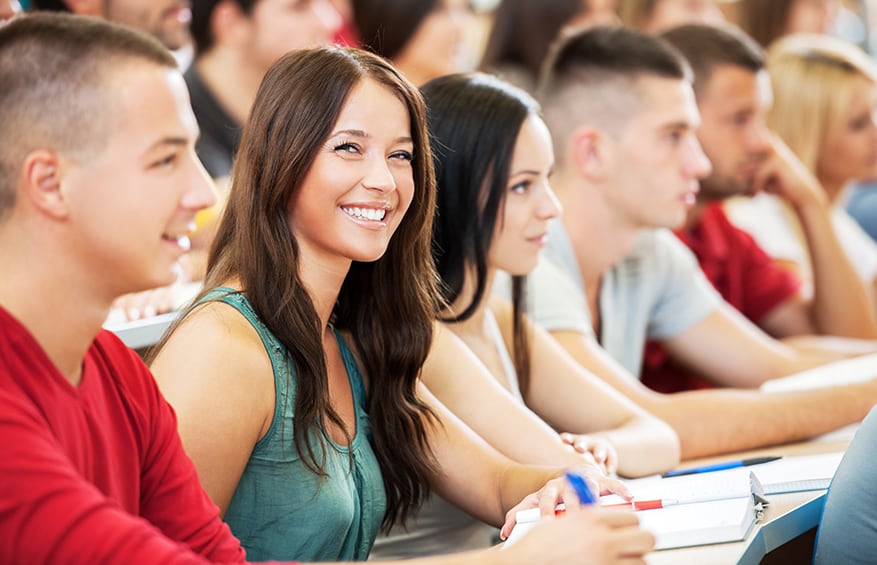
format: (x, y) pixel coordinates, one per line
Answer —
(698, 509)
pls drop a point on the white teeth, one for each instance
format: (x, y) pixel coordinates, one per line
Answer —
(366, 213)
(181, 240)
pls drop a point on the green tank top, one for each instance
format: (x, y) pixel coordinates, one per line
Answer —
(281, 510)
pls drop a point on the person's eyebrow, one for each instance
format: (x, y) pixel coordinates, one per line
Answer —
(173, 141)
(532, 172)
(366, 135)
(352, 132)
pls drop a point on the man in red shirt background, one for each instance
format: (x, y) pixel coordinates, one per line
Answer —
(733, 95)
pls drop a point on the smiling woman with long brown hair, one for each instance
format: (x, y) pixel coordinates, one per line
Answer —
(295, 373)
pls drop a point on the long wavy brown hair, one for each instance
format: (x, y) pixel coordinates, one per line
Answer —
(388, 305)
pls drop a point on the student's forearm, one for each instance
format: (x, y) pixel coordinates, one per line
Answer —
(516, 482)
(725, 421)
(842, 304)
(645, 446)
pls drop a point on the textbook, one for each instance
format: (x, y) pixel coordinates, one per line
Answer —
(696, 509)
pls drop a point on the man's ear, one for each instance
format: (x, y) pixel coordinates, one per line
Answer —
(226, 22)
(42, 173)
(86, 7)
(589, 152)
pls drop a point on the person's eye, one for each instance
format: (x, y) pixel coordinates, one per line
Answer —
(403, 156)
(347, 147)
(165, 162)
(521, 187)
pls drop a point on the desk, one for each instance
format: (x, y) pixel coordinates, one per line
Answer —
(785, 518)
(139, 334)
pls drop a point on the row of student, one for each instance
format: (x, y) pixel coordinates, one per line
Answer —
(99, 186)
(443, 387)
(236, 41)
(792, 318)
(238, 364)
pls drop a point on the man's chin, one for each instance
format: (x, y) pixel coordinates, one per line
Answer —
(174, 37)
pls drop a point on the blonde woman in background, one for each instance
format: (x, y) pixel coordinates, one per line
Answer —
(825, 97)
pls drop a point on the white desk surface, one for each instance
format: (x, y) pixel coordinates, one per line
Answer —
(786, 517)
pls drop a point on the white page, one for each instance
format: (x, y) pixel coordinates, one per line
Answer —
(715, 485)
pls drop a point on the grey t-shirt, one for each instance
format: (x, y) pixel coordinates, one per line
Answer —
(655, 292)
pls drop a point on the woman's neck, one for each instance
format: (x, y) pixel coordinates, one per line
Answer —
(233, 82)
(323, 278)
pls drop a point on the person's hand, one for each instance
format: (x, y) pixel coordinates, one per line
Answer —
(147, 303)
(557, 491)
(600, 450)
(588, 535)
(785, 176)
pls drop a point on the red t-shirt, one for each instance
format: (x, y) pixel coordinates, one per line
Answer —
(745, 276)
(96, 473)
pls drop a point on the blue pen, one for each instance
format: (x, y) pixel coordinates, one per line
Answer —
(581, 487)
(720, 466)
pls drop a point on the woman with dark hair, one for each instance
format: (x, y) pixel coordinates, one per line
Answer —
(768, 20)
(655, 16)
(518, 61)
(295, 373)
(422, 38)
(493, 156)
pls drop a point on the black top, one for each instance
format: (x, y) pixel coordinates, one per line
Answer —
(220, 133)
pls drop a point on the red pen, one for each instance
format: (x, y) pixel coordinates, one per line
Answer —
(643, 504)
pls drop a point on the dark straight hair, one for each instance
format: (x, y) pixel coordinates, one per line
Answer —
(523, 31)
(765, 20)
(386, 26)
(474, 121)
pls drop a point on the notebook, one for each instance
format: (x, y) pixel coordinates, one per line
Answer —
(796, 474)
(702, 509)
